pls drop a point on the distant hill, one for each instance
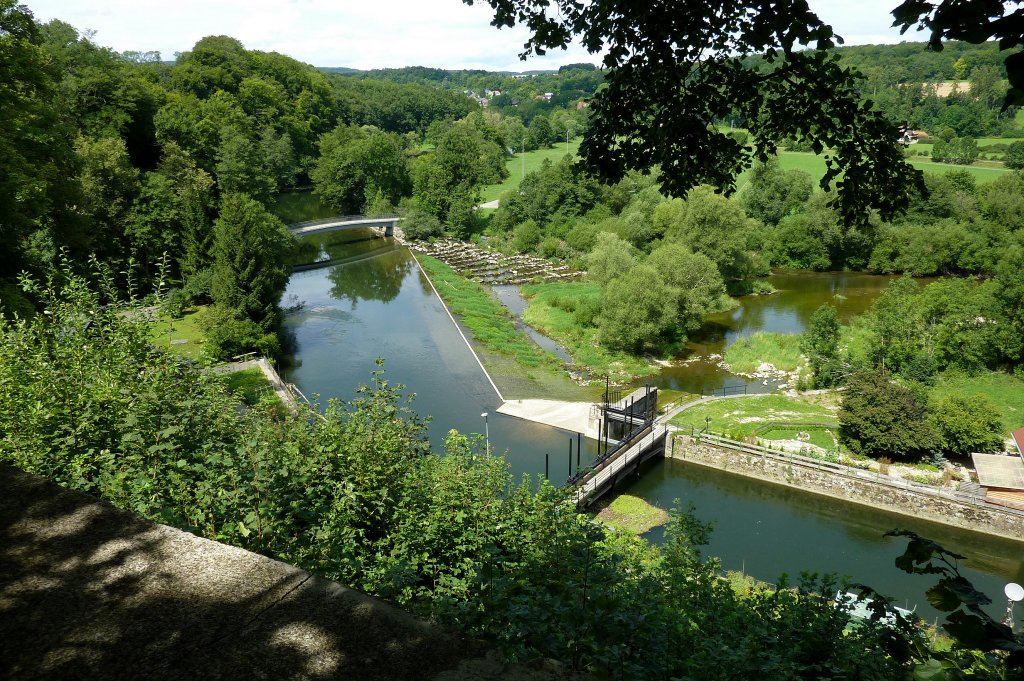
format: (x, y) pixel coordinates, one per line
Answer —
(342, 70)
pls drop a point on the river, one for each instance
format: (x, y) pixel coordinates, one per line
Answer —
(372, 301)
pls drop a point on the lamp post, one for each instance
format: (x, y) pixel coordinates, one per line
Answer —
(1014, 593)
(487, 435)
(523, 157)
(707, 425)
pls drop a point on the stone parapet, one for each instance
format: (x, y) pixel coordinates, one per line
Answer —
(986, 518)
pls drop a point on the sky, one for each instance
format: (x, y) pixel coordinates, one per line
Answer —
(367, 34)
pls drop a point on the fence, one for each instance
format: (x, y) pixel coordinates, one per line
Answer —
(724, 391)
(858, 474)
(793, 425)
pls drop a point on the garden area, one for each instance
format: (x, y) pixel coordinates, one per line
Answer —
(777, 420)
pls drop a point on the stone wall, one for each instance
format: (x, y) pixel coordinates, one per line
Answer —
(987, 519)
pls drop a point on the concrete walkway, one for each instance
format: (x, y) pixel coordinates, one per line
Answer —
(88, 591)
(264, 365)
(572, 416)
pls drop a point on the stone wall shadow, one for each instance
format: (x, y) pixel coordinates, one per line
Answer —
(88, 591)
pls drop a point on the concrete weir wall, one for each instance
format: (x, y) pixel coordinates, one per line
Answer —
(987, 519)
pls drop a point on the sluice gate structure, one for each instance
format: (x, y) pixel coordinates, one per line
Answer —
(629, 436)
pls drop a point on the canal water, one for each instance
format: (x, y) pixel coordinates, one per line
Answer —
(368, 299)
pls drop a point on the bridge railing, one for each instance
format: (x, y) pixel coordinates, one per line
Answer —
(341, 218)
(601, 462)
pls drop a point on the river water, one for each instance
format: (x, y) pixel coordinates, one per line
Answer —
(368, 299)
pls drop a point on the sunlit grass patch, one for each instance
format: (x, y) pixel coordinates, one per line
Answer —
(781, 350)
(742, 416)
(485, 317)
(166, 330)
(627, 513)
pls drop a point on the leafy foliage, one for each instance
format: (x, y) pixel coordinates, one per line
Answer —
(883, 418)
(673, 75)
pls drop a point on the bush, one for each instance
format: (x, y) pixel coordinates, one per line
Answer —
(968, 425)
(227, 336)
(880, 417)
(197, 287)
(174, 303)
(420, 226)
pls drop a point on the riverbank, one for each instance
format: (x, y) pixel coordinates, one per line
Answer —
(857, 487)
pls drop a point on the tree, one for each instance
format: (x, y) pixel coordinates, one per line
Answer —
(959, 150)
(610, 258)
(249, 271)
(773, 193)
(968, 424)
(540, 133)
(242, 166)
(1015, 156)
(717, 227)
(638, 309)
(695, 282)
(821, 345)
(355, 164)
(672, 75)
(38, 187)
(881, 418)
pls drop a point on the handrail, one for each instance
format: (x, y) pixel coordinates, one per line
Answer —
(593, 477)
(341, 218)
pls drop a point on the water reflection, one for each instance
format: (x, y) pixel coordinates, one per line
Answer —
(767, 530)
(378, 277)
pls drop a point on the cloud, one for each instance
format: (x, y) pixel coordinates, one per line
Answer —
(383, 33)
(374, 34)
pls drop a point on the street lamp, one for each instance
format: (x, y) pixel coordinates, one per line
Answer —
(707, 425)
(523, 157)
(487, 435)
(1014, 593)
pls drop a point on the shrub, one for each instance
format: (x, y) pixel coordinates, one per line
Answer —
(968, 424)
(880, 417)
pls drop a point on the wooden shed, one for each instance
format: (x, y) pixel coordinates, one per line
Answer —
(1002, 476)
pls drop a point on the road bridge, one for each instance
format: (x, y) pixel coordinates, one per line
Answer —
(384, 223)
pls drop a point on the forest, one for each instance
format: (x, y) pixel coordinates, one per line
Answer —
(133, 184)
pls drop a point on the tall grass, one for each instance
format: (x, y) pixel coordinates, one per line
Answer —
(564, 311)
(782, 350)
(485, 317)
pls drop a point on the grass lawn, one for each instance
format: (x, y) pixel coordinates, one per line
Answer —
(742, 416)
(248, 384)
(549, 311)
(484, 316)
(188, 328)
(533, 162)
(627, 513)
(782, 350)
(818, 436)
(814, 165)
(1005, 391)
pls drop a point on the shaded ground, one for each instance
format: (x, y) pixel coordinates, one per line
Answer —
(90, 591)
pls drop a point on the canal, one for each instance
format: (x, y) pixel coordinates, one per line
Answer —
(369, 300)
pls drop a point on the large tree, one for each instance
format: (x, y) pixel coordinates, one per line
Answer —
(676, 69)
(249, 271)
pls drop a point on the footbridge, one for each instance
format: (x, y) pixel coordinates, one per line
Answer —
(630, 435)
(385, 223)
